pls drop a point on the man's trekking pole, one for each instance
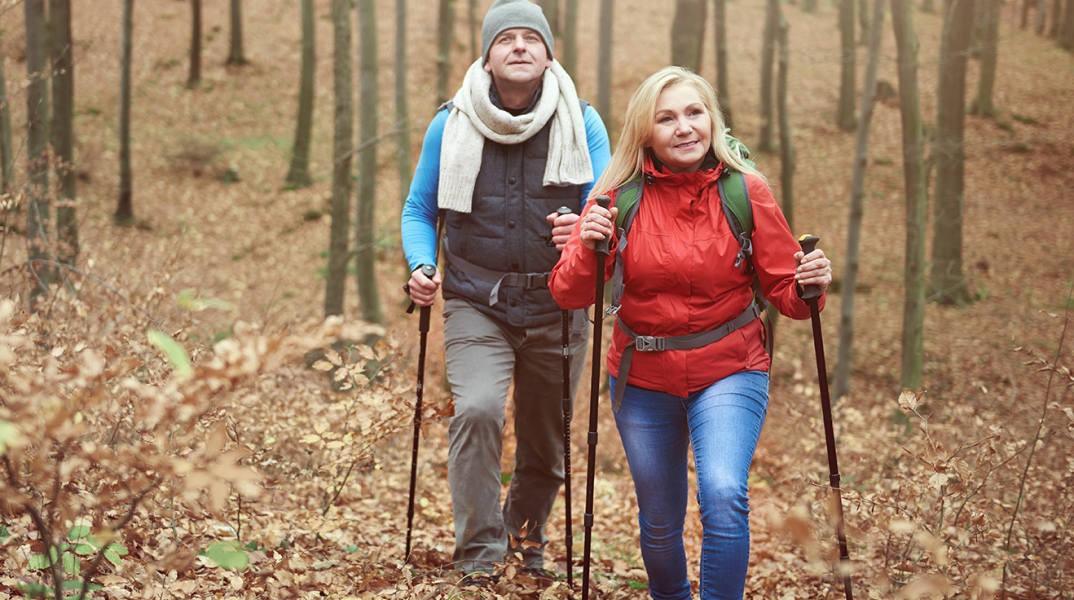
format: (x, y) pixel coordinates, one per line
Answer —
(594, 399)
(565, 322)
(810, 295)
(423, 329)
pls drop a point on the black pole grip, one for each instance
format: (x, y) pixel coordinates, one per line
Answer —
(423, 322)
(602, 246)
(808, 244)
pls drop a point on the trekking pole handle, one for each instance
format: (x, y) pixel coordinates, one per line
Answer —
(602, 246)
(809, 243)
(423, 321)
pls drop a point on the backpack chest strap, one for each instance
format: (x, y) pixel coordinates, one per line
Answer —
(649, 343)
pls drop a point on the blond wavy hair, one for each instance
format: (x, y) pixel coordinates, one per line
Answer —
(629, 157)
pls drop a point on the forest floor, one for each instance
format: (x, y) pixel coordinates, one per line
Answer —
(997, 512)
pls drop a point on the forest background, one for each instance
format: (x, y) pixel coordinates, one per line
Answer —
(168, 428)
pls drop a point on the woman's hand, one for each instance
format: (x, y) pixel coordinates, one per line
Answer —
(813, 269)
(597, 224)
(423, 289)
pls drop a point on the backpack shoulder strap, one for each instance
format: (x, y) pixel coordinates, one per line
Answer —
(735, 199)
(627, 199)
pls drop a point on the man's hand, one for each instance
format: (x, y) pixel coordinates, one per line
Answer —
(562, 225)
(423, 289)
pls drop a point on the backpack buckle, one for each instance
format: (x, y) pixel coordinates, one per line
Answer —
(612, 309)
(648, 343)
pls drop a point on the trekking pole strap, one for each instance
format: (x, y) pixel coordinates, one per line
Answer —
(648, 343)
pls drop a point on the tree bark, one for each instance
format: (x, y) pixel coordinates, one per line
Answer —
(1025, 13)
(845, 114)
(946, 282)
(7, 159)
(1066, 32)
(768, 52)
(37, 195)
(402, 117)
(235, 55)
(125, 208)
(786, 145)
(367, 164)
(299, 174)
(913, 313)
(195, 44)
(570, 39)
(604, 62)
(445, 34)
(342, 147)
(1053, 27)
(62, 130)
(857, 207)
(688, 34)
(723, 89)
(989, 44)
(1042, 10)
(863, 21)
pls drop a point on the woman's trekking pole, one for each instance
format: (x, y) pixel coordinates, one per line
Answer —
(565, 317)
(810, 295)
(423, 329)
(594, 400)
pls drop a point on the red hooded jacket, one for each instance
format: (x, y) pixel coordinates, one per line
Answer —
(679, 278)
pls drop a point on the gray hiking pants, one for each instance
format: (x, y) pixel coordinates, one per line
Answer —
(482, 357)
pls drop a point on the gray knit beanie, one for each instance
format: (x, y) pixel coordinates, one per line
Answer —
(509, 14)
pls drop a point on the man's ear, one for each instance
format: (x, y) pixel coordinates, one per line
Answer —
(488, 67)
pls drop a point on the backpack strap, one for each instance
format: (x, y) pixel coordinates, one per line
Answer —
(627, 199)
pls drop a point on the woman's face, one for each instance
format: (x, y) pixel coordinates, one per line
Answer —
(682, 129)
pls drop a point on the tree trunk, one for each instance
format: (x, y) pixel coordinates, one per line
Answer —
(723, 89)
(570, 39)
(767, 142)
(342, 148)
(913, 313)
(863, 20)
(1025, 13)
(1042, 10)
(7, 159)
(786, 145)
(367, 164)
(37, 195)
(195, 44)
(980, 24)
(1066, 32)
(845, 116)
(926, 6)
(475, 43)
(402, 118)
(1053, 27)
(551, 13)
(299, 174)
(445, 34)
(125, 208)
(946, 282)
(688, 34)
(809, 6)
(235, 55)
(857, 207)
(989, 44)
(604, 62)
(62, 130)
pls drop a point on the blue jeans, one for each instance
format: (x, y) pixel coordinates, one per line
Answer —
(723, 423)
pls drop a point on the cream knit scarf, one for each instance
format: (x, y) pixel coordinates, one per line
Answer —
(474, 118)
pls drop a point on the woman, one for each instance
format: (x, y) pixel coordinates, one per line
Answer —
(679, 279)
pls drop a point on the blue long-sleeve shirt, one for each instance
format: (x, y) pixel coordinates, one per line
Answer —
(418, 227)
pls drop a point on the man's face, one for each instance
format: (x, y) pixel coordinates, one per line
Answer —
(517, 56)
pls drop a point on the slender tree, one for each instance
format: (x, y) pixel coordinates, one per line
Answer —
(926, 6)
(299, 173)
(343, 144)
(723, 78)
(402, 119)
(809, 6)
(235, 55)
(1053, 27)
(688, 34)
(62, 130)
(37, 206)
(1025, 12)
(125, 208)
(7, 159)
(845, 114)
(946, 282)
(551, 13)
(857, 207)
(367, 163)
(767, 142)
(863, 20)
(913, 313)
(195, 44)
(570, 38)
(445, 33)
(473, 18)
(989, 44)
(604, 62)
(1066, 32)
(1042, 13)
(787, 153)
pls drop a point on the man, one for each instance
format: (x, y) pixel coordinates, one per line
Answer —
(513, 146)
